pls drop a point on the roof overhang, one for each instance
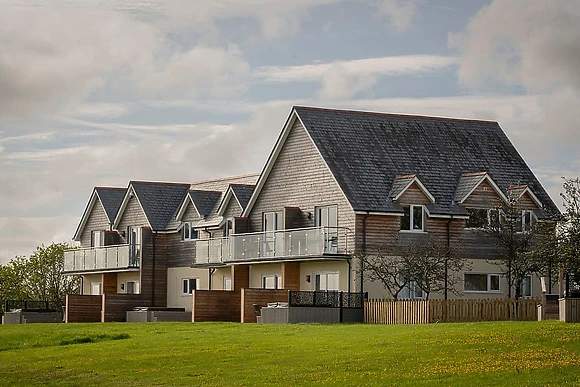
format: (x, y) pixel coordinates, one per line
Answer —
(128, 195)
(422, 187)
(226, 200)
(485, 177)
(187, 200)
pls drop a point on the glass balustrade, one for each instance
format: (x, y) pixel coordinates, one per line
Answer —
(101, 258)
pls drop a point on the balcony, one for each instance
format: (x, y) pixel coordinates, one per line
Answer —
(271, 245)
(101, 258)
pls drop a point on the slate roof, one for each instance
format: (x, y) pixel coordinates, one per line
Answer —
(205, 201)
(366, 151)
(160, 202)
(467, 182)
(111, 199)
(243, 193)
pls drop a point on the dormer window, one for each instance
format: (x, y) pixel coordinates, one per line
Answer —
(188, 233)
(482, 218)
(413, 218)
(525, 222)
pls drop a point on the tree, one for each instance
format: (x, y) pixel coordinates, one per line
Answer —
(426, 265)
(38, 277)
(519, 236)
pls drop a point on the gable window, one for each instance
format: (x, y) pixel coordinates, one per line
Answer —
(272, 221)
(272, 281)
(525, 222)
(188, 233)
(412, 219)
(481, 283)
(97, 238)
(189, 285)
(481, 218)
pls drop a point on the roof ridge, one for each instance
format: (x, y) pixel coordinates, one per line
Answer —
(225, 178)
(158, 183)
(206, 191)
(403, 177)
(242, 185)
(111, 188)
(401, 115)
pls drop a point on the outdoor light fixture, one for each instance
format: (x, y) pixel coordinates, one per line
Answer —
(308, 278)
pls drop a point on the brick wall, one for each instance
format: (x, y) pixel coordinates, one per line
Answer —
(83, 308)
(260, 297)
(116, 305)
(216, 305)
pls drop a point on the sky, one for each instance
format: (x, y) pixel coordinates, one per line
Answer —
(101, 92)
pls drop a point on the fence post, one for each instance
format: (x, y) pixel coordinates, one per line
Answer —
(289, 297)
(340, 307)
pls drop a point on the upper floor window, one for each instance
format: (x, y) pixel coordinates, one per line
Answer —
(272, 221)
(481, 218)
(228, 226)
(326, 216)
(524, 224)
(413, 218)
(97, 239)
(188, 233)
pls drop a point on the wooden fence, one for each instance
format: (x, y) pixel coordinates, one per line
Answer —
(432, 311)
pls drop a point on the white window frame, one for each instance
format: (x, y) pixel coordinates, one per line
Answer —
(100, 240)
(227, 283)
(98, 286)
(489, 276)
(187, 281)
(529, 282)
(277, 217)
(277, 281)
(188, 233)
(326, 274)
(525, 227)
(411, 221)
(135, 287)
(412, 292)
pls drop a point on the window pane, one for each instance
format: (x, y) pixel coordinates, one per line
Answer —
(332, 281)
(185, 286)
(406, 219)
(527, 287)
(269, 282)
(494, 282)
(477, 218)
(332, 216)
(476, 282)
(186, 229)
(417, 218)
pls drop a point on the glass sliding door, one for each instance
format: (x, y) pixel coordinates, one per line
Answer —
(327, 217)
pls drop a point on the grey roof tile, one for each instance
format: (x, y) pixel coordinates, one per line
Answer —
(205, 201)
(243, 193)
(467, 182)
(111, 199)
(160, 201)
(365, 151)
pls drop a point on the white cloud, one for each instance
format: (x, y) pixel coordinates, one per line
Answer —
(384, 66)
(532, 43)
(399, 12)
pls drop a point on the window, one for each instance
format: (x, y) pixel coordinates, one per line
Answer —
(272, 281)
(481, 283)
(481, 217)
(272, 221)
(525, 225)
(189, 285)
(188, 233)
(527, 287)
(228, 227)
(97, 239)
(326, 216)
(95, 288)
(412, 219)
(326, 281)
(227, 283)
(412, 291)
(132, 287)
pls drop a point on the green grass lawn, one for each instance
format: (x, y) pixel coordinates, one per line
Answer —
(223, 354)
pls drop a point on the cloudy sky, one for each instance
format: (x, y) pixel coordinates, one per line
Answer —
(99, 92)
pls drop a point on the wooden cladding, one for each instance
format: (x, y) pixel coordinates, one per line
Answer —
(240, 277)
(291, 275)
(261, 297)
(216, 305)
(83, 308)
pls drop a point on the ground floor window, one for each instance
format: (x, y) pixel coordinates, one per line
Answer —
(95, 288)
(527, 286)
(132, 287)
(227, 283)
(326, 281)
(481, 282)
(412, 291)
(273, 281)
(189, 285)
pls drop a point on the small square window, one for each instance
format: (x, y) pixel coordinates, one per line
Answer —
(189, 285)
